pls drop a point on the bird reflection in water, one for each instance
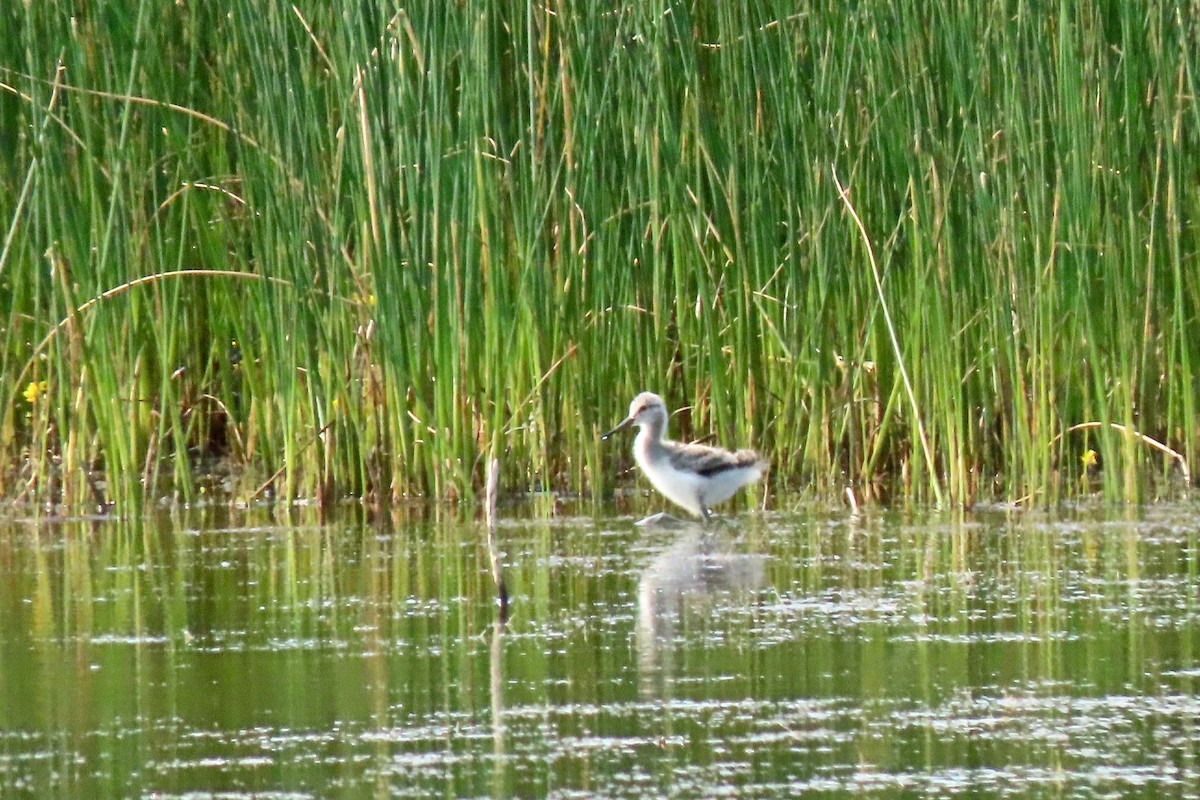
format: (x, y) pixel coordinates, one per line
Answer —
(701, 567)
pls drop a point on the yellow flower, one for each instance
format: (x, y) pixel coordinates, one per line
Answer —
(32, 391)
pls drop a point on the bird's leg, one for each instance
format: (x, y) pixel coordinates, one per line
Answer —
(705, 514)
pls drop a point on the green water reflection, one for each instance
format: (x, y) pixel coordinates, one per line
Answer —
(240, 654)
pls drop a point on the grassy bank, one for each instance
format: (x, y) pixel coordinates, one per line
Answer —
(347, 253)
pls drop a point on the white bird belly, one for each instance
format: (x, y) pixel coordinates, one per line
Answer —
(681, 488)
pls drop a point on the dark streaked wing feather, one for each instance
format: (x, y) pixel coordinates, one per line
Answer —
(708, 461)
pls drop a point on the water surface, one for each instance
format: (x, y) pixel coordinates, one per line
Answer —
(261, 654)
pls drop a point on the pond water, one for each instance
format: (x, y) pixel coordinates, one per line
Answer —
(260, 654)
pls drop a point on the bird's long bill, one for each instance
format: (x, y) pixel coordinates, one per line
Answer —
(625, 423)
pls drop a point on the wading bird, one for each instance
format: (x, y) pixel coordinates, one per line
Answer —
(692, 476)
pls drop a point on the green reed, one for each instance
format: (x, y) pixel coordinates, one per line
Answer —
(349, 253)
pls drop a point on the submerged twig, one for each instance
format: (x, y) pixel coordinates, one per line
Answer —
(1157, 445)
(844, 194)
(263, 486)
(571, 348)
(852, 501)
(493, 482)
(72, 311)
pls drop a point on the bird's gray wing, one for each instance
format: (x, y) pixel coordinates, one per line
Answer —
(708, 461)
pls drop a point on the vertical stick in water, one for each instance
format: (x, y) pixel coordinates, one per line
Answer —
(496, 676)
(490, 512)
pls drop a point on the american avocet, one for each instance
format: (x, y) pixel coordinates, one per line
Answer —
(692, 476)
